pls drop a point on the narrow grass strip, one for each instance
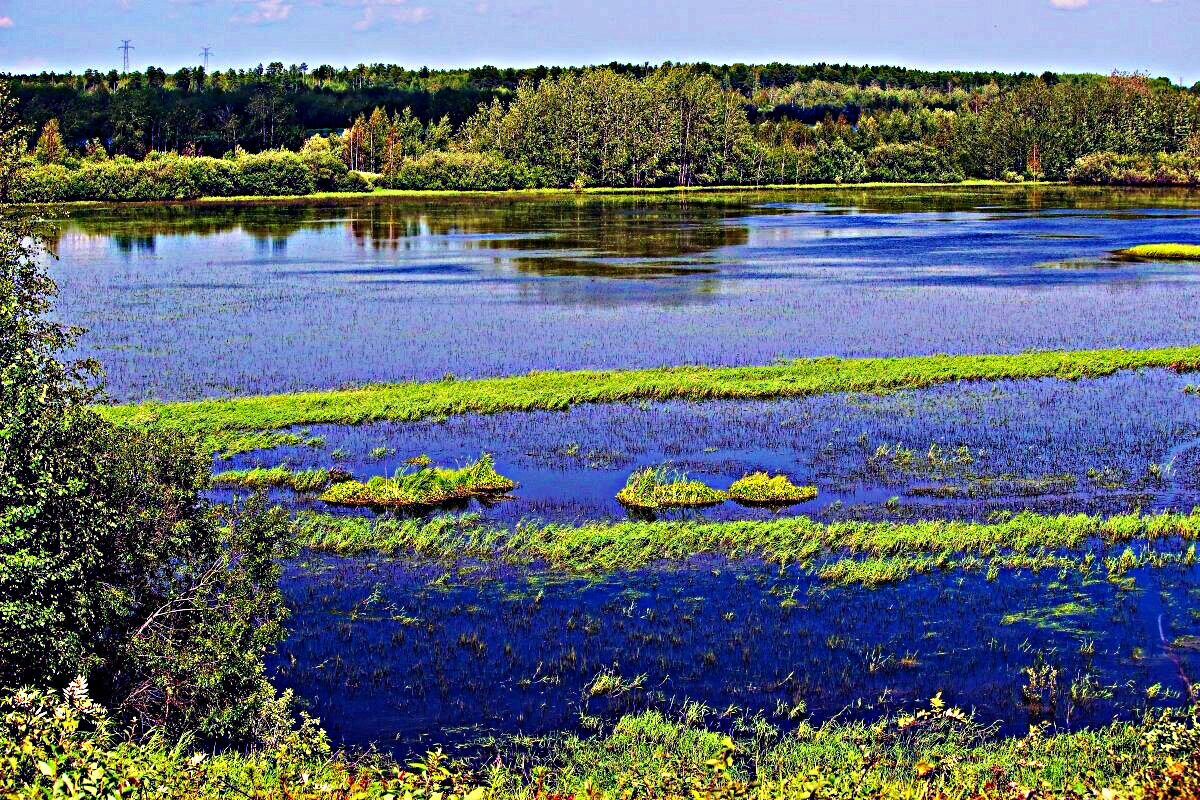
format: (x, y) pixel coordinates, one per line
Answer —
(556, 391)
(604, 547)
(1163, 252)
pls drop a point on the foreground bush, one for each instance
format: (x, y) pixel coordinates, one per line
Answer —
(64, 745)
(1160, 169)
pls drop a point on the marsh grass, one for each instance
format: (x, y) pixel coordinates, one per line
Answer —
(557, 391)
(305, 482)
(761, 489)
(662, 487)
(427, 486)
(1162, 252)
(861, 553)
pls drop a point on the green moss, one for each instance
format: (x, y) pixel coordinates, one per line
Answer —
(659, 487)
(1163, 252)
(431, 486)
(552, 391)
(760, 488)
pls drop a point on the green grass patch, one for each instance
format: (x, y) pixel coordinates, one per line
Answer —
(556, 391)
(661, 487)
(1024, 541)
(1163, 252)
(308, 481)
(427, 486)
(761, 489)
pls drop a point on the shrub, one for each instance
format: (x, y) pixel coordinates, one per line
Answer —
(910, 163)
(52, 183)
(112, 565)
(1113, 169)
(328, 170)
(162, 176)
(274, 172)
(354, 182)
(836, 163)
(459, 171)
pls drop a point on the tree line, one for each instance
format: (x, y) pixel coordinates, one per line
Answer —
(668, 126)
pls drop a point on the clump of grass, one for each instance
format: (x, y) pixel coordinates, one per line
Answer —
(661, 487)
(308, 481)
(759, 488)
(1163, 252)
(428, 486)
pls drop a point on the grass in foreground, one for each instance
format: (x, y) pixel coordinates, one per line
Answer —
(660, 487)
(65, 746)
(428, 486)
(557, 391)
(1163, 252)
(761, 489)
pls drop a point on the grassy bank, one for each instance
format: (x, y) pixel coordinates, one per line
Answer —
(386, 194)
(59, 747)
(844, 552)
(557, 391)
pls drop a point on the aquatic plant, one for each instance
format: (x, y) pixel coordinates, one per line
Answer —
(427, 486)
(555, 391)
(759, 488)
(662, 487)
(1163, 252)
(307, 481)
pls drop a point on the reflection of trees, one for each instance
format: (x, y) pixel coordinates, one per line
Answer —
(629, 236)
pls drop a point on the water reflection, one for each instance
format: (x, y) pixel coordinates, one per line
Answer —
(196, 300)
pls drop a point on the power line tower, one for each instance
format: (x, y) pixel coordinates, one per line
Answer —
(125, 48)
(205, 53)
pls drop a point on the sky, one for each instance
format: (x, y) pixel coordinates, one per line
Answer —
(1151, 36)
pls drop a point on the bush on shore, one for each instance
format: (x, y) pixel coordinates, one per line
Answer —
(460, 171)
(168, 176)
(910, 163)
(1158, 169)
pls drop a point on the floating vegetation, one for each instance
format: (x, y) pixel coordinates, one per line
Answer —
(1024, 540)
(760, 488)
(427, 486)
(305, 482)
(662, 487)
(1162, 252)
(560, 391)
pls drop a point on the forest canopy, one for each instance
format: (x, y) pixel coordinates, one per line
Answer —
(619, 125)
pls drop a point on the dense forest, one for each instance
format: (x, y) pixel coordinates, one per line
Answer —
(619, 125)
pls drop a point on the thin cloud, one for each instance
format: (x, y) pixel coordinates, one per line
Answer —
(1069, 5)
(396, 12)
(6, 22)
(265, 12)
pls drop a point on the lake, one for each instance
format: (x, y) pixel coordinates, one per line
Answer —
(204, 300)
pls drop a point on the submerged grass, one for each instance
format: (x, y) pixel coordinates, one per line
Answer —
(762, 489)
(307, 481)
(555, 391)
(1163, 252)
(1024, 540)
(661, 487)
(428, 486)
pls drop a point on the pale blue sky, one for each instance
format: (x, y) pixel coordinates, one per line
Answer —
(1155, 36)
